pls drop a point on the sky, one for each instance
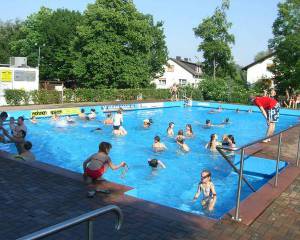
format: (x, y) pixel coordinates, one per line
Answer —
(252, 21)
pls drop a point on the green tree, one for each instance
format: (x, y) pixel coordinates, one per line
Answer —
(53, 32)
(9, 31)
(286, 45)
(117, 46)
(262, 54)
(216, 41)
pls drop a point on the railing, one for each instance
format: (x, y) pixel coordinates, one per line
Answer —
(87, 217)
(242, 158)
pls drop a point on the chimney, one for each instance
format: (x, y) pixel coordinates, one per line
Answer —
(178, 58)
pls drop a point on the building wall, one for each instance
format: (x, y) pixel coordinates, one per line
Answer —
(260, 71)
(17, 78)
(173, 73)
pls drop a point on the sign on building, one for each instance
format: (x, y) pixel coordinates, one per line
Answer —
(6, 75)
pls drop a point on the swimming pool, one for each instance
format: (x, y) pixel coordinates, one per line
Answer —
(175, 186)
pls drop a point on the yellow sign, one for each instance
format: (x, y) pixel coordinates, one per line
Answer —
(51, 112)
(6, 75)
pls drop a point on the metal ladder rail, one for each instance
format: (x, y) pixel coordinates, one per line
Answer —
(86, 217)
(235, 168)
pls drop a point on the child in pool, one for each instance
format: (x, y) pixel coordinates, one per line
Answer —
(213, 143)
(108, 120)
(170, 129)
(180, 135)
(189, 130)
(155, 163)
(33, 120)
(157, 145)
(207, 187)
(183, 146)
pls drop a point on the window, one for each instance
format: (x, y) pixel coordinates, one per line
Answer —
(182, 82)
(170, 68)
(162, 82)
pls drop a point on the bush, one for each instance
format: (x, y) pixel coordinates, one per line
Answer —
(45, 97)
(217, 90)
(16, 97)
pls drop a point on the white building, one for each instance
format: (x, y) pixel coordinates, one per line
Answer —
(179, 71)
(17, 76)
(259, 69)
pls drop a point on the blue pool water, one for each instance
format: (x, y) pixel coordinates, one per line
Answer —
(175, 186)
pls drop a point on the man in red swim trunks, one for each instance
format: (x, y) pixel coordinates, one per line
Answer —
(270, 109)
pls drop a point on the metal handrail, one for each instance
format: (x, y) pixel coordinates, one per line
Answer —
(87, 217)
(235, 169)
(259, 140)
(240, 172)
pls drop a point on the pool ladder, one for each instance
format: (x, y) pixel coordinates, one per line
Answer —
(87, 217)
(222, 150)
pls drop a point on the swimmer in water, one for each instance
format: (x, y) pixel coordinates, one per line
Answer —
(155, 164)
(206, 187)
(157, 145)
(180, 135)
(213, 143)
(208, 124)
(189, 130)
(70, 120)
(82, 115)
(250, 110)
(237, 110)
(92, 114)
(216, 111)
(147, 123)
(55, 117)
(170, 129)
(33, 120)
(108, 120)
(183, 146)
(226, 121)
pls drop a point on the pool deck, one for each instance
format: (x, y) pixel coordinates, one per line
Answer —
(35, 195)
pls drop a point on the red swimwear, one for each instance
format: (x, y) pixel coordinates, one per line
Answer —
(95, 174)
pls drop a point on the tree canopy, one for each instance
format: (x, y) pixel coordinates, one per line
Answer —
(117, 46)
(286, 45)
(9, 31)
(53, 32)
(216, 41)
(262, 54)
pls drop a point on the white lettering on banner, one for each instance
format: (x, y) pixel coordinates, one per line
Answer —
(151, 105)
(203, 104)
(109, 108)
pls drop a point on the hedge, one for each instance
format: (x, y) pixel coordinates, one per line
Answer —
(20, 97)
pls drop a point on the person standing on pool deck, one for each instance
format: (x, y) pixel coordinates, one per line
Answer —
(97, 164)
(270, 110)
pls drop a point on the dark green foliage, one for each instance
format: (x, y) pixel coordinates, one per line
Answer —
(9, 31)
(45, 97)
(286, 45)
(215, 90)
(118, 47)
(224, 89)
(54, 32)
(262, 54)
(16, 97)
(216, 41)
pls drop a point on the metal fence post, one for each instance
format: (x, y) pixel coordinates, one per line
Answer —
(278, 158)
(298, 152)
(90, 230)
(238, 196)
